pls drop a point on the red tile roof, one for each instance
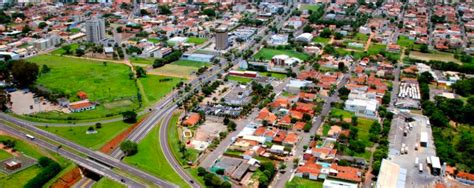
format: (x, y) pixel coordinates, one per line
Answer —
(347, 173)
(193, 119)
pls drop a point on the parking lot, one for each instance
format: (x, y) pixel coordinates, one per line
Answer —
(414, 178)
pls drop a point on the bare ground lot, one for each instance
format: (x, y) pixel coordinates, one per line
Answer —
(25, 103)
(439, 56)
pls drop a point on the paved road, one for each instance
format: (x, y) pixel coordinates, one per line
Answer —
(91, 154)
(81, 161)
(167, 150)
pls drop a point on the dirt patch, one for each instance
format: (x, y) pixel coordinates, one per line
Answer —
(115, 142)
(68, 179)
(27, 103)
(434, 56)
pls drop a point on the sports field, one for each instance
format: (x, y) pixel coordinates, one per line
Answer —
(174, 71)
(196, 40)
(189, 63)
(438, 56)
(141, 60)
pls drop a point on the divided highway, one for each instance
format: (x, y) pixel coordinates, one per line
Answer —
(98, 156)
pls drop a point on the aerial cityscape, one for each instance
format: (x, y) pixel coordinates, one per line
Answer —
(237, 93)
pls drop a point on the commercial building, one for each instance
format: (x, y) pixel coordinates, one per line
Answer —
(46, 43)
(206, 58)
(95, 30)
(222, 38)
(391, 175)
(305, 37)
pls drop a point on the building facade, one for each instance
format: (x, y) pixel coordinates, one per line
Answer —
(95, 30)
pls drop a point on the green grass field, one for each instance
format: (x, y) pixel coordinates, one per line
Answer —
(276, 75)
(175, 71)
(100, 82)
(141, 60)
(150, 158)
(267, 54)
(60, 51)
(439, 56)
(4, 155)
(107, 183)
(310, 7)
(363, 125)
(78, 134)
(173, 138)
(338, 112)
(361, 37)
(321, 40)
(196, 40)
(375, 48)
(75, 30)
(298, 182)
(239, 79)
(19, 179)
(405, 41)
(188, 63)
(153, 40)
(157, 87)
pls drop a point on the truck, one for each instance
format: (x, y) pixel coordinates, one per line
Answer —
(29, 136)
(424, 139)
(417, 161)
(420, 167)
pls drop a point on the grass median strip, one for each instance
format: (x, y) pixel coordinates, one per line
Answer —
(150, 158)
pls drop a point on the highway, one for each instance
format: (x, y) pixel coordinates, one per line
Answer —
(86, 163)
(103, 158)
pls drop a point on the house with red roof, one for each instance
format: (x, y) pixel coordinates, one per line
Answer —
(192, 120)
(266, 115)
(82, 105)
(310, 169)
(291, 139)
(345, 173)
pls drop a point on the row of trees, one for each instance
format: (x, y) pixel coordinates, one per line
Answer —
(174, 56)
(49, 169)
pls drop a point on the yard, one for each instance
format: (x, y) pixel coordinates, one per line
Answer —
(173, 138)
(78, 134)
(19, 179)
(362, 38)
(267, 54)
(321, 40)
(239, 79)
(298, 182)
(196, 40)
(375, 48)
(150, 158)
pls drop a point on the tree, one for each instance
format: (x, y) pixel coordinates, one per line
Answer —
(357, 146)
(67, 49)
(341, 67)
(425, 77)
(164, 9)
(226, 184)
(308, 29)
(141, 73)
(80, 52)
(24, 73)
(129, 148)
(307, 126)
(42, 25)
(231, 126)
(226, 120)
(129, 116)
(45, 69)
(338, 36)
(201, 171)
(343, 91)
(4, 100)
(144, 12)
(354, 120)
(26, 29)
(424, 48)
(326, 33)
(209, 12)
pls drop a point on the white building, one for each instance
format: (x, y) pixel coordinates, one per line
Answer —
(95, 30)
(278, 39)
(362, 104)
(391, 175)
(305, 37)
(294, 86)
(206, 58)
(46, 43)
(156, 52)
